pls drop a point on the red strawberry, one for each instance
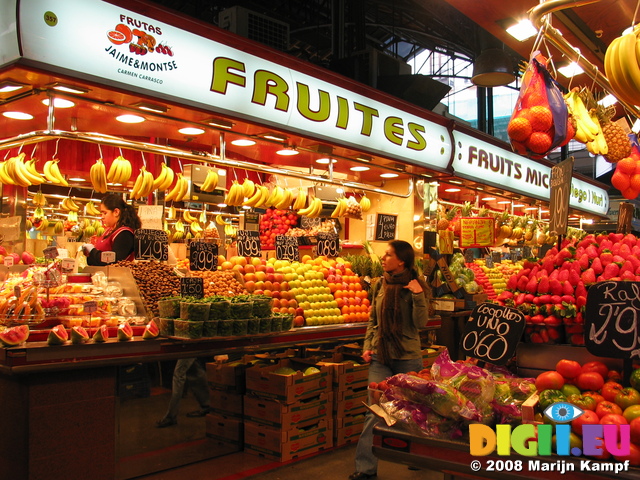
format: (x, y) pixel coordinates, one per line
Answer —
(556, 300)
(534, 271)
(624, 251)
(606, 257)
(547, 264)
(588, 276)
(577, 339)
(528, 298)
(543, 285)
(597, 266)
(555, 287)
(505, 295)
(537, 318)
(579, 318)
(627, 275)
(634, 261)
(563, 255)
(581, 291)
(626, 267)
(544, 336)
(617, 259)
(563, 276)
(522, 284)
(615, 248)
(568, 287)
(519, 299)
(552, 320)
(600, 238)
(554, 275)
(512, 283)
(605, 245)
(581, 301)
(587, 240)
(568, 299)
(574, 278)
(583, 262)
(532, 286)
(630, 240)
(616, 237)
(591, 251)
(610, 271)
(544, 298)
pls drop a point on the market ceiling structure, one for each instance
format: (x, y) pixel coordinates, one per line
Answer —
(329, 34)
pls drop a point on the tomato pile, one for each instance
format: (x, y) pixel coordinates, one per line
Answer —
(596, 390)
(275, 222)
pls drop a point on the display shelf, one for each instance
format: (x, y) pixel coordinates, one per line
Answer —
(394, 444)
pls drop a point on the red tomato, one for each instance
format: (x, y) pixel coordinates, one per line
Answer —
(595, 395)
(614, 376)
(610, 389)
(590, 381)
(634, 426)
(596, 366)
(587, 418)
(613, 419)
(550, 380)
(607, 408)
(632, 412)
(568, 368)
(633, 457)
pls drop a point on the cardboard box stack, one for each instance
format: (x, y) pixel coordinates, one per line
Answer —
(350, 381)
(287, 416)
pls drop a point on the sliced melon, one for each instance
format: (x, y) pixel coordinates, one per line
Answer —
(14, 335)
(57, 335)
(151, 330)
(79, 334)
(125, 332)
(101, 335)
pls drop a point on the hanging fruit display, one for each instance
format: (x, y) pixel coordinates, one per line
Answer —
(119, 171)
(622, 68)
(98, 176)
(164, 179)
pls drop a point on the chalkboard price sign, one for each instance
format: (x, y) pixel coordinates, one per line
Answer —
(386, 227)
(611, 326)
(309, 223)
(287, 248)
(328, 245)
(192, 287)
(492, 333)
(488, 261)
(496, 257)
(560, 190)
(468, 255)
(203, 256)
(249, 243)
(151, 244)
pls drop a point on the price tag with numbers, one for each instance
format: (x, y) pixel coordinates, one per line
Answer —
(108, 257)
(90, 306)
(492, 333)
(328, 245)
(67, 265)
(203, 256)
(287, 248)
(192, 287)
(249, 243)
(611, 326)
(8, 261)
(151, 245)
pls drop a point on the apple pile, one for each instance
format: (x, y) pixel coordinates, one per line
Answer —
(597, 391)
(275, 222)
(552, 291)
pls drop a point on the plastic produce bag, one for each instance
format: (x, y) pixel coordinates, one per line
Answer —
(540, 120)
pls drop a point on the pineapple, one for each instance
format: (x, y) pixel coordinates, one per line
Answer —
(618, 143)
(483, 212)
(505, 228)
(530, 229)
(445, 218)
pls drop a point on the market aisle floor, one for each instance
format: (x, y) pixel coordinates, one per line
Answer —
(336, 464)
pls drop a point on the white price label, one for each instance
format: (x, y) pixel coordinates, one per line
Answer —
(108, 257)
(8, 261)
(68, 265)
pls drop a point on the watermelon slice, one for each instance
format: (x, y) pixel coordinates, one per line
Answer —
(14, 335)
(102, 334)
(151, 330)
(79, 334)
(57, 335)
(125, 332)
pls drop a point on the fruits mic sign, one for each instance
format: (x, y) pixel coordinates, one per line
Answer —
(611, 321)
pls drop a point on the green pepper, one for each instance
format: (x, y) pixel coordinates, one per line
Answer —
(549, 397)
(582, 401)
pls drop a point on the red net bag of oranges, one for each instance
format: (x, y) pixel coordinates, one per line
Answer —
(540, 120)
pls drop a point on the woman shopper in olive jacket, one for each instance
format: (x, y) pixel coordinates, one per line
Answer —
(392, 341)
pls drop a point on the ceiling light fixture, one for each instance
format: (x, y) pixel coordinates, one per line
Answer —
(273, 136)
(10, 86)
(17, 115)
(608, 101)
(150, 107)
(504, 202)
(78, 179)
(522, 30)
(457, 182)
(220, 123)
(571, 70)
(364, 158)
(359, 168)
(59, 103)
(127, 118)
(531, 208)
(191, 131)
(488, 199)
(492, 68)
(388, 175)
(243, 142)
(63, 87)
(451, 190)
(288, 151)
(325, 161)
(518, 205)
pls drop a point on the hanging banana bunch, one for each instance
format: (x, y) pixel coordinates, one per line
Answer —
(91, 209)
(210, 181)
(164, 180)
(143, 185)
(119, 171)
(98, 176)
(235, 195)
(52, 173)
(365, 203)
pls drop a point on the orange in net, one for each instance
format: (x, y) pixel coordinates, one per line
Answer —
(540, 118)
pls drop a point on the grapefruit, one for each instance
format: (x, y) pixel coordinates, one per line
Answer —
(126, 31)
(116, 37)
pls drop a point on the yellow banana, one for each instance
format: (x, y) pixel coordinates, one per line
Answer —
(630, 68)
(187, 217)
(203, 217)
(161, 178)
(184, 189)
(264, 196)
(310, 209)
(125, 171)
(114, 170)
(172, 213)
(248, 188)
(234, 192)
(168, 180)
(301, 199)
(175, 191)
(4, 178)
(614, 69)
(20, 172)
(31, 172)
(55, 171)
(365, 203)
(91, 209)
(220, 220)
(98, 176)
(136, 192)
(255, 198)
(211, 181)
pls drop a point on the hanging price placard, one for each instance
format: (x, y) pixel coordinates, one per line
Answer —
(328, 245)
(492, 333)
(50, 253)
(108, 257)
(192, 287)
(560, 184)
(287, 248)
(203, 256)
(151, 244)
(249, 243)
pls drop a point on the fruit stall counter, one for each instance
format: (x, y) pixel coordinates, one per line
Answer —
(394, 444)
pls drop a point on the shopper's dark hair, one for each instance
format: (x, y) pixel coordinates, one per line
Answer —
(128, 215)
(404, 251)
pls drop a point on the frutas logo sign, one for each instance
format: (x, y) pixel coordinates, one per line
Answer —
(531, 440)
